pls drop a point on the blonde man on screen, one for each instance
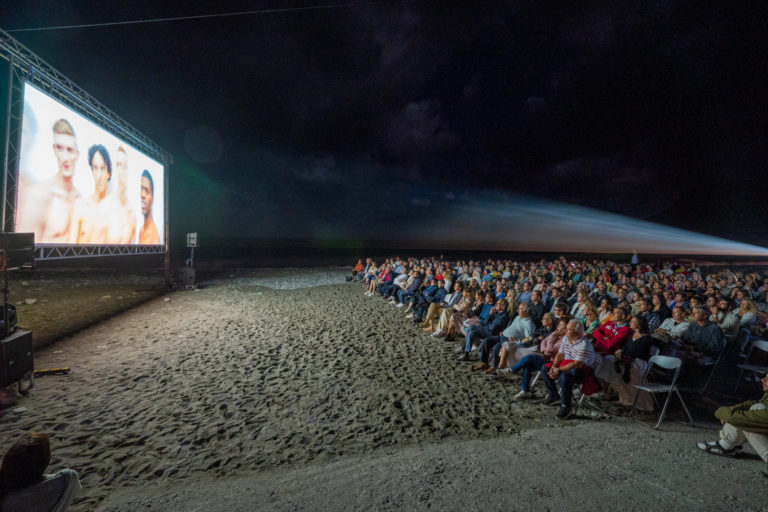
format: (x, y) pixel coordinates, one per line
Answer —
(148, 234)
(90, 215)
(122, 219)
(45, 208)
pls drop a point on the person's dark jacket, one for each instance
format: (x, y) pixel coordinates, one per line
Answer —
(537, 311)
(414, 286)
(639, 348)
(497, 322)
(437, 296)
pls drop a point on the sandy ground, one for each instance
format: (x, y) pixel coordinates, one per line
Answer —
(291, 390)
(56, 304)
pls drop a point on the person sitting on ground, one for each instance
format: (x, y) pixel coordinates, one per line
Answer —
(744, 422)
(497, 320)
(573, 363)
(22, 477)
(612, 336)
(520, 331)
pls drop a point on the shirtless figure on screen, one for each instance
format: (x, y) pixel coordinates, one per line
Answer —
(46, 208)
(122, 219)
(90, 215)
(148, 233)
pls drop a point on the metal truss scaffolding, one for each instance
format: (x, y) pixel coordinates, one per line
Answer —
(49, 252)
(25, 66)
(11, 144)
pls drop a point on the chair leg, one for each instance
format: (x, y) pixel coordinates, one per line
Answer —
(664, 410)
(685, 407)
(637, 395)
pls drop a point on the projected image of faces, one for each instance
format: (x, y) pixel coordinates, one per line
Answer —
(79, 184)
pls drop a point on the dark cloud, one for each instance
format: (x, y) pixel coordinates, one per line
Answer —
(418, 130)
(653, 110)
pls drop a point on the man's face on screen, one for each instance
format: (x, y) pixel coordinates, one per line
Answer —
(65, 149)
(146, 196)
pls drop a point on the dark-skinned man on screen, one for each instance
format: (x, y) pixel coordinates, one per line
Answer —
(148, 234)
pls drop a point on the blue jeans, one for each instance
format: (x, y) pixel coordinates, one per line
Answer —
(530, 363)
(492, 346)
(565, 380)
(402, 294)
(474, 331)
(421, 308)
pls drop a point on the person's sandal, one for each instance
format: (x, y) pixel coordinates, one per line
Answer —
(715, 448)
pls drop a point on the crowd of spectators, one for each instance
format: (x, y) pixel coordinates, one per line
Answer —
(574, 323)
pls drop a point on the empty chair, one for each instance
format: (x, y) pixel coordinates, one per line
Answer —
(750, 366)
(667, 363)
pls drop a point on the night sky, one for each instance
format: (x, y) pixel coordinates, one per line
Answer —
(356, 121)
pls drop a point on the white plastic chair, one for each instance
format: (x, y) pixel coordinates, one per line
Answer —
(667, 363)
(753, 369)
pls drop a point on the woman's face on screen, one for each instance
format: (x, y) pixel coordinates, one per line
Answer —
(100, 173)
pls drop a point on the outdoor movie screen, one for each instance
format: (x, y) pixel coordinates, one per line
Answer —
(78, 184)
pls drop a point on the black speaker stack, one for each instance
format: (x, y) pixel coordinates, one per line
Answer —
(17, 363)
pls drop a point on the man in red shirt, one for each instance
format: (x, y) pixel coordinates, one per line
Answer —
(613, 335)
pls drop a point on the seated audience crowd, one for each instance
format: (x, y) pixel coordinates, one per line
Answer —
(592, 326)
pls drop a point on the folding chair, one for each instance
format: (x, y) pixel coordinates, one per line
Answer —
(585, 400)
(753, 369)
(716, 363)
(667, 363)
(744, 340)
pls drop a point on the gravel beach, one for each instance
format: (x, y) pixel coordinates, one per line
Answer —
(289, 389)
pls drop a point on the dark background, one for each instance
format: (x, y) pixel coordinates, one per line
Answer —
(339, 126)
